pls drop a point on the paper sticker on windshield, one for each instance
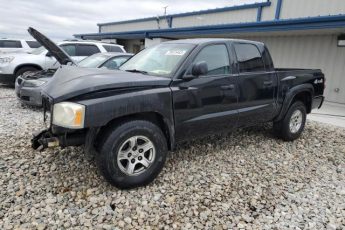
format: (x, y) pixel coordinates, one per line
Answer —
(175, 52)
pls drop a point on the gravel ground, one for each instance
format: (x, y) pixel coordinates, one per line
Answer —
(245, 180)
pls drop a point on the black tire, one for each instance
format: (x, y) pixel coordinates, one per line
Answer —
(282, 128)
(23, 70)
(113, 140)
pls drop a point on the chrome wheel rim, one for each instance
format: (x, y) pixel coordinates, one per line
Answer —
(296, 121)
(136, 155)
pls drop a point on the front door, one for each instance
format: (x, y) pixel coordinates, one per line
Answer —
(206, 104)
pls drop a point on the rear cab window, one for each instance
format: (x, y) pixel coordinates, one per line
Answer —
(110, 48)
(267, 59)
(249, 58)
(10, 44)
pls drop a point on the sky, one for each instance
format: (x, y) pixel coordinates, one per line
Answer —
(60, 19)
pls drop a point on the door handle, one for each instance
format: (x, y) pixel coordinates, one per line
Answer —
(228, 87)
(268, 83)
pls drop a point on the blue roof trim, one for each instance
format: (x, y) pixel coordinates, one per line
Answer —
(322, 22)
(217, 10)
(278, 9)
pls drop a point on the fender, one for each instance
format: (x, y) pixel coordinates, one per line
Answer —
(101, 111)
(291, 93)
(92, 134)
(171, 129)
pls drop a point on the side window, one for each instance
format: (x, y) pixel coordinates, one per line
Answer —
(115, 62)
(249, 58)
(217, 59)
(110, 48)
(86, 50)
(69, 49)
(33, 44)
(10, 44)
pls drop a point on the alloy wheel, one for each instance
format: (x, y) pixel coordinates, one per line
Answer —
(136, 155)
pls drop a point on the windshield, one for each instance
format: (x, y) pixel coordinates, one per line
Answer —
(38, 51)
(93, 61)
(158, 60)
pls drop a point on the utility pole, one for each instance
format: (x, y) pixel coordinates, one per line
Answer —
(165, 10)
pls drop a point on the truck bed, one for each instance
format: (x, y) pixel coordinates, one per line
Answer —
(288, 78)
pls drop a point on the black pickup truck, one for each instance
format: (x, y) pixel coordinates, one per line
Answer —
(171, 92)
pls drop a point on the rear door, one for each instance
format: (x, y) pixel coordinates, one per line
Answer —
(256, 85)
(206, 104)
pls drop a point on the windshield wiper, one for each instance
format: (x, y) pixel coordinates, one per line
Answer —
(136, 71)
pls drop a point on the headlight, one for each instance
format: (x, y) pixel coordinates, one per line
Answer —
(33, 83)
(6, 59)
(69, 115)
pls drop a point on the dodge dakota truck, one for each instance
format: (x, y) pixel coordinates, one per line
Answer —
(174, 91)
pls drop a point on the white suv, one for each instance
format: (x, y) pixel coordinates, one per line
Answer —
(13, 65)
(17, 45)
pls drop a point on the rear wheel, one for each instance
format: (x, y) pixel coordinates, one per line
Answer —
(292, 125)
(132, 154)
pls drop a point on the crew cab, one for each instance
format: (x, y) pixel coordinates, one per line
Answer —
(174, 91)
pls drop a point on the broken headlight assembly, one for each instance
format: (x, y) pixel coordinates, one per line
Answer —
(69, 115)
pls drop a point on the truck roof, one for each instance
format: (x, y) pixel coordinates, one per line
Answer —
(199, 41)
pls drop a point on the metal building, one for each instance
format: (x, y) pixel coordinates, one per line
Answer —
(299, 33)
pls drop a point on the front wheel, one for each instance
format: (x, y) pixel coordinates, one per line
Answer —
(291, 127)
(132, 154)
(25, 70)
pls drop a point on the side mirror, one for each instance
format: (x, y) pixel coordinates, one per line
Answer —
(49, 54)
(199, 68)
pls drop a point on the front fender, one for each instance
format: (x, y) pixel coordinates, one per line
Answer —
(100, 111)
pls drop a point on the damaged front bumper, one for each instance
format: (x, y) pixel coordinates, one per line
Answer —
(57, 136)
(46, 139)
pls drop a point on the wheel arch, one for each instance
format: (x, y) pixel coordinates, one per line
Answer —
(304, 93)
(27, 65)
(154, 117)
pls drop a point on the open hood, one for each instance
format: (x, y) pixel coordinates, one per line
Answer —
(60, 55)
